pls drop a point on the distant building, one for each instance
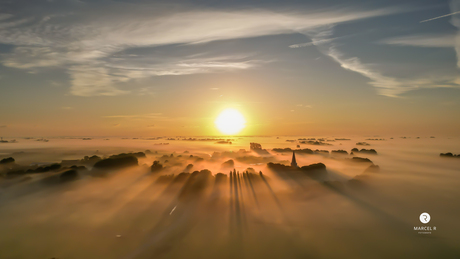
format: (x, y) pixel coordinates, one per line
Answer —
(294, 162)
(255, 146)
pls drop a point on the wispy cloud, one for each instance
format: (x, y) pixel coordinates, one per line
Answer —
(102, 77)
(84, 38)
(423, 40)
(442, 16)
(455, 7)
(314, 43)
(90, 80)
(308, 44)
(385, 85)
(436, 40)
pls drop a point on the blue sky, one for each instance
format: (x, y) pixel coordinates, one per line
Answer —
(174, 65)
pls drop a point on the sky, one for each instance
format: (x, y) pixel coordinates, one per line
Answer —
(168, 68)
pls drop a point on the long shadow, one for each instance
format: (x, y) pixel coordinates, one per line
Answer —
(232, 207)
(123, 182)
(394, 222)
(277, 201)
(216, 193)
(292, 178)
(238, 219)
(156, 183)
(250, 186)
(125, 187)
(243, 210)
(295, 177)
(178, 219)
(236, 199)
(52, 183)
(339, 176)
(170, 193)
(364, 204)
(236, 230)
(332, 187)
(339, 189)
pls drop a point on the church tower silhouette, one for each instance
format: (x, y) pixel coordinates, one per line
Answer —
(293, 162)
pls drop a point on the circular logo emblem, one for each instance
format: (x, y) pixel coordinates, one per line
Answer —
(425, 217)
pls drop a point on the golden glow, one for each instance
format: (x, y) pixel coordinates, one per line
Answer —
(230, 121)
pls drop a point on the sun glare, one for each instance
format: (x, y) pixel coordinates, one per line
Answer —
(230, 121)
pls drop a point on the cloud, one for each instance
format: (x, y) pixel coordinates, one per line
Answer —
(84, 38)
(436, 40)
(91, 80)
(455, 20)
(442, 16)
(301, 45)
(101, 77)
(385, 85)
(3, 126)
(423, 40)
(313, 43)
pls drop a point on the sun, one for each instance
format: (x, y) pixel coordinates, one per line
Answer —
(230, 122)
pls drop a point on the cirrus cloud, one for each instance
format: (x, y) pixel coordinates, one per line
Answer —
(84, 37)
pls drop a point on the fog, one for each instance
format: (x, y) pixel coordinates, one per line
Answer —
(180, 211)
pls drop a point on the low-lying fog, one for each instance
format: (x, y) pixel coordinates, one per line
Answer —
(178, 209)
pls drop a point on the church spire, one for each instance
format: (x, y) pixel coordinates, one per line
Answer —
(293, 162)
